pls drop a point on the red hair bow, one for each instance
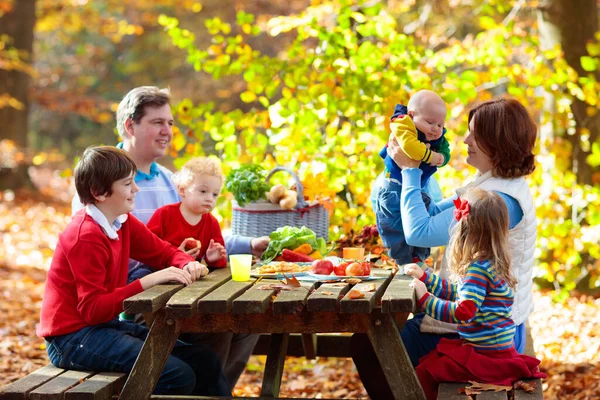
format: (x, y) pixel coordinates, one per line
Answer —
(462, 208)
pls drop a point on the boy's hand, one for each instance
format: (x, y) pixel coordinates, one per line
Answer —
(420, 288)
(196, 270)
(258, 245)
(191, 246)
(215, 252)
(413, 270)
(437, 159)
(170, 274)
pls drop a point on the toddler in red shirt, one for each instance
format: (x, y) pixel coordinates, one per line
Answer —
(87, 283)
(199, 183)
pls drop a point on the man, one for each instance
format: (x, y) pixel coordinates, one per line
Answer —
(144, 123)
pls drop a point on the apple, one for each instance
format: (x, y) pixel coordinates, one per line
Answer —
(322, 267)
(340, 269)
(191, 243)
(355, 269)
(367, 266)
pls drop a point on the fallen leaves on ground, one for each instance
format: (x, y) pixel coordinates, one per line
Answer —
(567, 336)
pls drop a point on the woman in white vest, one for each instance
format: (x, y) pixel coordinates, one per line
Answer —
(500, 146)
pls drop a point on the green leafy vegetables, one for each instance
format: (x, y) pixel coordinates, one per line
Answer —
(289, 237)
(247, 183)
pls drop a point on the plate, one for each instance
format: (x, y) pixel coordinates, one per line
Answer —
(279, 275)
(317, 277)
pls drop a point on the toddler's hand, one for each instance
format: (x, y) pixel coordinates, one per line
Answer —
(187, 243)
(420, 288)
(215, 251)
(413, 270)
(436, 159)
(196, 270)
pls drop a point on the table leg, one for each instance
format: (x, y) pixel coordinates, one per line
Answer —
(152, 358)
(274, 366)
(392, 356)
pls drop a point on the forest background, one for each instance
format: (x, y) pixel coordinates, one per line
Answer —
(309, 84)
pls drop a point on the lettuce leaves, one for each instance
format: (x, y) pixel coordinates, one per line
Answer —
(289, 237)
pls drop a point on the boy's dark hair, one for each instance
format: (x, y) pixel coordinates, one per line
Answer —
(97, 170)
(506, 133)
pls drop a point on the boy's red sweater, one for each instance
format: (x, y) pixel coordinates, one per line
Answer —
(87, 280)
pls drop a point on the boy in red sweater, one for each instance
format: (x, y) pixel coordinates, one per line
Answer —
(87, 283)
(199, 184)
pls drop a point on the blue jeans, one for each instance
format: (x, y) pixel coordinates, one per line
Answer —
(389, 224)
(114, 347)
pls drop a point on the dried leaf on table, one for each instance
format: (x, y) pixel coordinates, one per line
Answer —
(327, 293)
(292, 281)
(488, 386)
(355, 294)
(529, 388)
(353, 281)
(371, 287)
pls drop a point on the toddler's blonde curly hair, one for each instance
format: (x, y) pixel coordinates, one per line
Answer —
(197, 166)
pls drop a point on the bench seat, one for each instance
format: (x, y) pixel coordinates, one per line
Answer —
(50, 382)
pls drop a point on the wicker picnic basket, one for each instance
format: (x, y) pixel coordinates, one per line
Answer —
(262, 217)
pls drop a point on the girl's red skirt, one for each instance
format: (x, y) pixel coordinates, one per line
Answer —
(452, 361)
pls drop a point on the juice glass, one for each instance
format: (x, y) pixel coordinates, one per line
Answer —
(353, 253)
(240, 267)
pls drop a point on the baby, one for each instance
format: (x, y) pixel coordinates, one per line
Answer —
(419, 130)
(199, 184)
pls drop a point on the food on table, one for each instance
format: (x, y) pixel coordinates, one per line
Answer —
(289, 200)
(340, 269)
(276, 193)
(289, 255)
(356, 269)
(322, 267)
(281, 266)
(247, 183)
(304, 249)
(289, 237)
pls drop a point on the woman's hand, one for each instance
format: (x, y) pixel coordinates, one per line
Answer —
(196, 270)
(413, 270)
(214, 252)
(170, 274)
(420, 288)
(399, 157)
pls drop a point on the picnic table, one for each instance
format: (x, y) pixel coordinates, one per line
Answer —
(219, 304)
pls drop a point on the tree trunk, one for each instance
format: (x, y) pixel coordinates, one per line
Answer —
(572, 25)
(18, 24)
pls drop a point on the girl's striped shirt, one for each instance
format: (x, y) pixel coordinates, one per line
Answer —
(480, 303)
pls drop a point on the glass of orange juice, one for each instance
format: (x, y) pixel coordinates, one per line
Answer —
(240, 267)
(353, 253)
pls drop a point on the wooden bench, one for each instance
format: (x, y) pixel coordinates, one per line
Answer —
(453, 391)
(50, 382)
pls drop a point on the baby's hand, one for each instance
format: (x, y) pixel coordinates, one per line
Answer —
(437, 160)
(420, 288)
(413, 270)
(191, 246)
(215, 252)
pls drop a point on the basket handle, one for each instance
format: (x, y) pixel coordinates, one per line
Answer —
(301, 203)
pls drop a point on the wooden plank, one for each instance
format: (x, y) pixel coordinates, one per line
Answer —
(371, 299)
(255, 300)
(21, 388)
(54, 389)
(327, 297)
(181, 397)
(399, 296)
(450, 391)
(183, 304)
(99, 387)
(152, 358)
(398, 369)
(150, 300)
(538, 392)
(292, 301)
(274, 365)
(327, 345)
(220, 301)
(309, 345)
(489, 395)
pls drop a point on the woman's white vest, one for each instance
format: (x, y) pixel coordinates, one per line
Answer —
(521, 239)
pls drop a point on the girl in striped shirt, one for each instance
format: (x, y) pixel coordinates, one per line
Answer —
(480, 301)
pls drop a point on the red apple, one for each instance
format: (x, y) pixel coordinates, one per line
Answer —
(191, 243)
(355, 269)
(367, 266)
(340, 269)
(322, 267)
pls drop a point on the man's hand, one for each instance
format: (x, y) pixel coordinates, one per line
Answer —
(214, 252)
(259, 245)
(399, 157)
(413, 270)
(420, 288)
(170, 274)
(437, 159)
(196, 270)
(194, 251)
